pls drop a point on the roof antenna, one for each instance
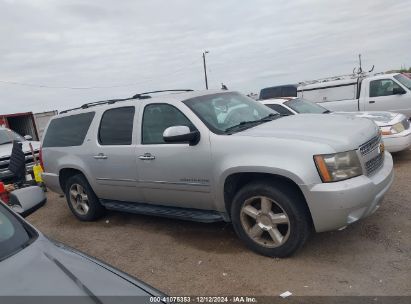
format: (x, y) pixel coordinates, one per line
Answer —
(223, 87)
(360, 71)
(360, 68)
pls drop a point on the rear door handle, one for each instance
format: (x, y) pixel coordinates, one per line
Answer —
(100, 156)
(372, 101)
(147, 156)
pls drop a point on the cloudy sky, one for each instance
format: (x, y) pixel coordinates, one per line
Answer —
(108, 49)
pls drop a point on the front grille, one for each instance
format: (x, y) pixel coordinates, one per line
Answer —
(374, 164)
(370, 145)
(4, 161)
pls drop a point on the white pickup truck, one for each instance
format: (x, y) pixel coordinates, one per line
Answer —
(380, 92)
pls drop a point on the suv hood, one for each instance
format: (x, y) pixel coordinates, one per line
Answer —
(5, 150)
(342, 133)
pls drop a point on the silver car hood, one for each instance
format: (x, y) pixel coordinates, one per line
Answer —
(45, 269)
(342, 133)
(5, 150)
(380, 118)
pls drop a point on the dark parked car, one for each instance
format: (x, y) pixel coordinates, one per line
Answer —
(33, 265)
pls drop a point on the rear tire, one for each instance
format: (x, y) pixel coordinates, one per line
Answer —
(272, 221)
(82, 200)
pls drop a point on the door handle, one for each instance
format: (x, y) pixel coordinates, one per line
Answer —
(147, 156)
(371, 101)
(100, 156)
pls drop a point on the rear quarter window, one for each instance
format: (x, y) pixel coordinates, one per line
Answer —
(68, 131)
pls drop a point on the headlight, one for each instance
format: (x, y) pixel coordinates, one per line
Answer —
(390, 130)
(338, 166)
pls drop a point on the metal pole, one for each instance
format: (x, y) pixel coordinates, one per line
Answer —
(205, 69)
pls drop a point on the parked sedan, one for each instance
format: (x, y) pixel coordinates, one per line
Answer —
(33, 265)
(395, 127)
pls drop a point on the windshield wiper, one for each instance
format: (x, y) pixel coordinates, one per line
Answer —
(249, 123)
(326, 112)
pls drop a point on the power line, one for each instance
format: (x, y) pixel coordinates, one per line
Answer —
(45, 86)
(68, 88)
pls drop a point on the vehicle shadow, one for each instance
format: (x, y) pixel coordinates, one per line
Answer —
(220, 238)
(216, 237)
(401, 157)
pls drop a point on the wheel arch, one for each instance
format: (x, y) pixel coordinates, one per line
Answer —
(234, 182)
(66, 173)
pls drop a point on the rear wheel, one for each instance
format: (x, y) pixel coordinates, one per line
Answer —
(82, 200)
(271, 221)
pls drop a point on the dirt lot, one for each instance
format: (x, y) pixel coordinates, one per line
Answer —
(372, 257)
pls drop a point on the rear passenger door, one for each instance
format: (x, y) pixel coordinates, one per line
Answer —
(113, 158)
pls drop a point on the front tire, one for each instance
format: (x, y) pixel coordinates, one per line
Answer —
(82, 200)
(272, 221)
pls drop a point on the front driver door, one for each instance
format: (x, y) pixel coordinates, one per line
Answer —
(174, 174)
(382, 97)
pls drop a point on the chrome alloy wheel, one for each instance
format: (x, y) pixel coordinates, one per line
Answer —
(265, 222)
(79, 199)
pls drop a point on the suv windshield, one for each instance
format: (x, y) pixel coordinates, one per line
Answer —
(13, 235)
(405, 81)
(230, 112)
(304, 106)
(7, 136)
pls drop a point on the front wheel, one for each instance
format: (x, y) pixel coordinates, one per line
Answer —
(270, 221)
(82, 200)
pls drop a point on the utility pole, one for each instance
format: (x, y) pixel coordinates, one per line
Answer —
(205, 69)
(359, 59)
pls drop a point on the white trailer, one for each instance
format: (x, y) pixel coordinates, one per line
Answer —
(379, 92)
(42, 119)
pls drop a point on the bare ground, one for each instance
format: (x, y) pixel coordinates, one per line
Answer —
(371, 257)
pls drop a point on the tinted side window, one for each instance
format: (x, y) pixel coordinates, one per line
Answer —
(382, 87)
(157, 118)
(116, 126)
(68, 131)
(279, 91)
(280, 109)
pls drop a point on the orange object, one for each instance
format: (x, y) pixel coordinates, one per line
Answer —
(322, 167)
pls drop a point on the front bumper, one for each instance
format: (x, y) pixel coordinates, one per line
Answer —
(397, 142)
(336, 205)
(7, 176)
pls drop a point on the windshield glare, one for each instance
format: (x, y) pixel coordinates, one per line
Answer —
(405, 81)
(7, 136)
(222, 111)
(13, 236)
(304, 106)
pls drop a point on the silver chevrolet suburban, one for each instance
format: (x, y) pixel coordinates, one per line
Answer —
(218, 156)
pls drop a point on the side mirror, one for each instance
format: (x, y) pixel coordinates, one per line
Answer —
(28, 137)
(25, 201)
(398, 91)
(181, 134)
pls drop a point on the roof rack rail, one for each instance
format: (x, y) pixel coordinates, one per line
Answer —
(333, 78)
(145, 94)
(111, 101)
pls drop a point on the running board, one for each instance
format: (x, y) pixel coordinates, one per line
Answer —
(196, 215)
